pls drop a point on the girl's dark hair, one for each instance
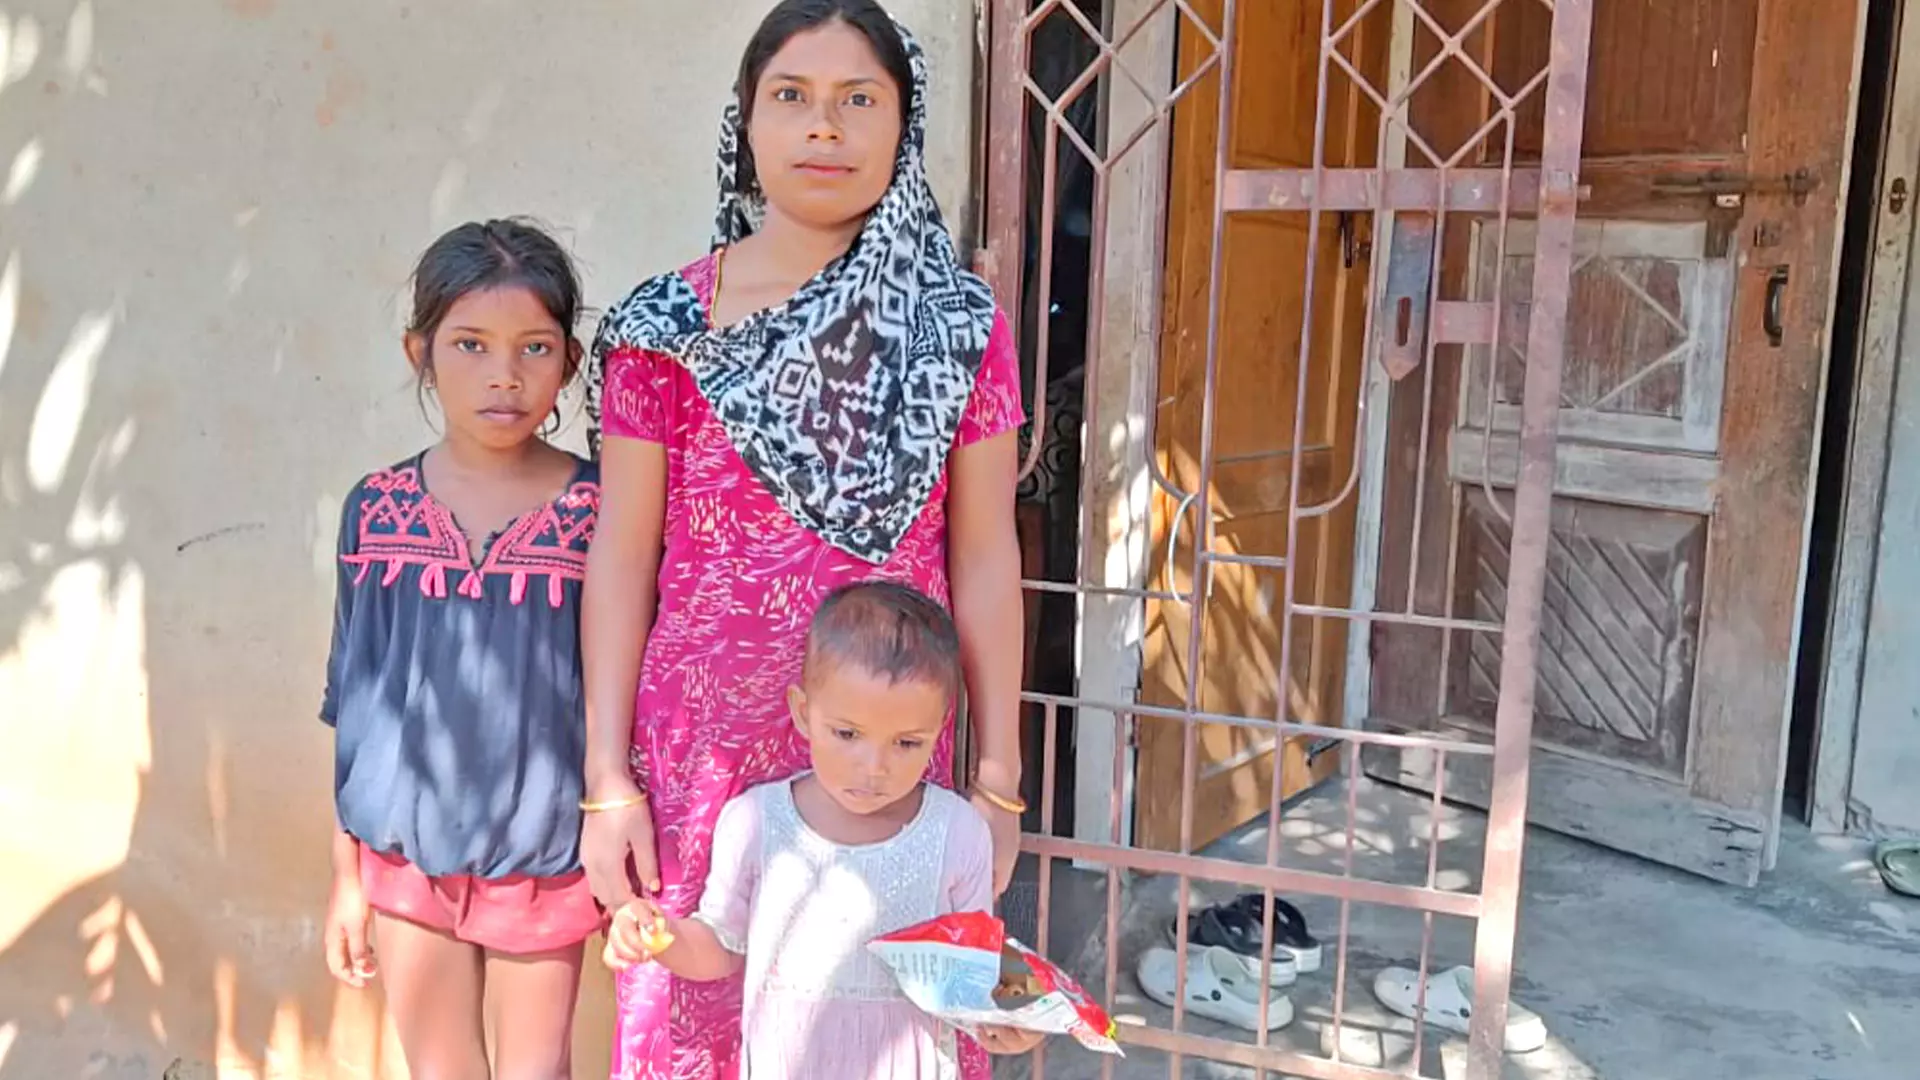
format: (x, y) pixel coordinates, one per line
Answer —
(790, 17)
(886, 630)
(491, 255)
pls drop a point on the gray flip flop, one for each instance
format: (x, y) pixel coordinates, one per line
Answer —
(1899, 864)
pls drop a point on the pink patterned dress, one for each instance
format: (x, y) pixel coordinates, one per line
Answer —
(739, 580)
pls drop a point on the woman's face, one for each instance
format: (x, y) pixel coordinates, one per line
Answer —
(825, 127)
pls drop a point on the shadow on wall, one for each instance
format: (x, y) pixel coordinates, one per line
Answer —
(205, 222)
(150, 923)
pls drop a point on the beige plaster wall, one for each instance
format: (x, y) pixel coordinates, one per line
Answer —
(207, 212)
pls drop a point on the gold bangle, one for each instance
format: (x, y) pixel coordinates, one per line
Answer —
(1011, 806)
(588, 806)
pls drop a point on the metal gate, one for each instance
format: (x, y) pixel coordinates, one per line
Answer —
(1411, 319)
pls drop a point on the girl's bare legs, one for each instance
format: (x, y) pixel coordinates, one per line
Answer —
(434, 992)
(532, 999)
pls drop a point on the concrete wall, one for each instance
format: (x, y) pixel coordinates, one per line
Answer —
(1884, 797)
(207, 213)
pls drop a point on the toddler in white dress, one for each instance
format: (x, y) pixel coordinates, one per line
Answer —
(807, 871)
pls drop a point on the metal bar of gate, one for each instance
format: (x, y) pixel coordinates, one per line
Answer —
(1532, 508)
(1202, 572)
(1006, 135)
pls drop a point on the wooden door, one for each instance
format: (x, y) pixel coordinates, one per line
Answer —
(1265, 292)
(1714, 152)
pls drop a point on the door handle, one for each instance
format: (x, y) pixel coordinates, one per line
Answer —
(1771, 317)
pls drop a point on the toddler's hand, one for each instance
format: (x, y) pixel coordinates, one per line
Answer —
(1009, 1041)
(638, 934)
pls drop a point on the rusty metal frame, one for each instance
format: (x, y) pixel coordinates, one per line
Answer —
(1423, 198)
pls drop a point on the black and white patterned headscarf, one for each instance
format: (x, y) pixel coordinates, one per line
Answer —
(843, 401)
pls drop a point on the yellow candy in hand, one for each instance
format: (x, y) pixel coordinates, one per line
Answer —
(654, 936)
(657, 937)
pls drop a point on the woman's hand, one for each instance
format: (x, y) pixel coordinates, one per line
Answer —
(1005, 827)
(1009, 1041)
(983, 561)
(616, 612)
(616, 846)
(349, 919)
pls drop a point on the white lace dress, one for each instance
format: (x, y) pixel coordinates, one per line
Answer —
(802, 909)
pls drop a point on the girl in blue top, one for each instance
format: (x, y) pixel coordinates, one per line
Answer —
(454, 680)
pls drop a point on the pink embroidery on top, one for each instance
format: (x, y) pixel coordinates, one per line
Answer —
(402, 525)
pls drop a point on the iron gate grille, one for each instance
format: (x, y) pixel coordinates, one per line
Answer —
(1106, 123)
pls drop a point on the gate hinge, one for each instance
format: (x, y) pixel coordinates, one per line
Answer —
(1352, 249)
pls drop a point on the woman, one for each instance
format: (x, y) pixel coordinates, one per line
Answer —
(826, 398)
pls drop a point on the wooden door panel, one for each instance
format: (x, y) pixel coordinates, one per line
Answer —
(1646, 337)
(1663, 78)
(1264, 297)
(1624, 476)
(1264, 300)
(1618, 635)
(1685, 432)
(1274, 91)
(1239, 665)
(1240, 653)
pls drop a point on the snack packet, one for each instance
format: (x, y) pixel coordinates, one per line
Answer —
(965, 970)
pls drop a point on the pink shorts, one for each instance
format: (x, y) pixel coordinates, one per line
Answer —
(518, 915)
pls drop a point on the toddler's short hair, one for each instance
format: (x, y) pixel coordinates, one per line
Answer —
(886, 630)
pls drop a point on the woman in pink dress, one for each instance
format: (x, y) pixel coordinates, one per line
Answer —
(828, 397)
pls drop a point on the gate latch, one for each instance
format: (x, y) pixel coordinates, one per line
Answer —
(1729, 190)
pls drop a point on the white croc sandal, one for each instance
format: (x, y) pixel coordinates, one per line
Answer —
(1281, 972)
(1450, 1005)
(1218, 988)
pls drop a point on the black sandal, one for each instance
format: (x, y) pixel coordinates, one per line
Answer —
(1229, 927)
(1290, 930)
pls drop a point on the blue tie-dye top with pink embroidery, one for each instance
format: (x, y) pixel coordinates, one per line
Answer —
(454, 680)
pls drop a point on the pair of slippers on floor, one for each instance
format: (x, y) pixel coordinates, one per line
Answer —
(1228, 950)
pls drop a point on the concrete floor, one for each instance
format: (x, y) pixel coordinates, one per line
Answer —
(1640, 972)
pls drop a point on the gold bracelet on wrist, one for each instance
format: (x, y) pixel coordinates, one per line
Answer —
(1011, 806)
(591, 806)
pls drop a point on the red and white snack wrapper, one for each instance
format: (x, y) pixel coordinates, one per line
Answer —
(951, 966)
